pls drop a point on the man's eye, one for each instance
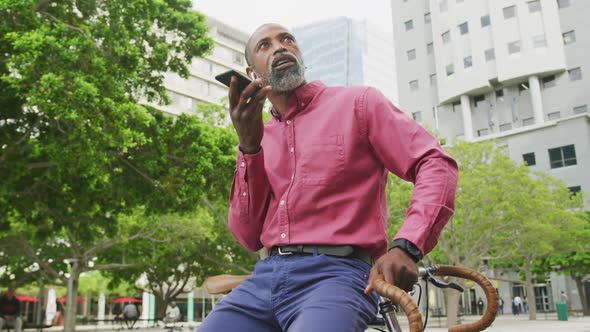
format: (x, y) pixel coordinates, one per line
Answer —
(289, 39)
(262, 45)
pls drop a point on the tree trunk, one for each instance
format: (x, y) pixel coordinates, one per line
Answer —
(72, 299)
(452, 306)
(582, 292)
(530, 296)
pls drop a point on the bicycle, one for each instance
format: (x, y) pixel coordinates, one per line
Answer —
(393, 298)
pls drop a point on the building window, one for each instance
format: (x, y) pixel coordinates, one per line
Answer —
(442, 6)
(427, 18)
(483, 132)
(534, 6)
(467, 61)
(575, 190)
(505, 126)
(528, 121)
(478, 99)
(464, 28)
(554, 115)
(446, 37)
(417, 116)
(562, 156)
(522, 87)
(509, 12)
(429, 48)
(581, 109)
(575, 74)
(411, 55)
(485, 21)
(514, 47)
(432, 79)
(490, 54)
(569, 37)
(539, 41)
(409, 25)
(563, 3)
(529, 159)
(237, 58)
(548, 82)
(414, 85)
(500, 95)
(450, 69)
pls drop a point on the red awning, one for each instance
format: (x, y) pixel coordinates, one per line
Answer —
(64, 299)
(26, 298)
(126, 299)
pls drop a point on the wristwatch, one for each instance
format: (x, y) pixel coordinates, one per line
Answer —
(409, 248)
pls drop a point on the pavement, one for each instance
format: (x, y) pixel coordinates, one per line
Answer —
(503, 323)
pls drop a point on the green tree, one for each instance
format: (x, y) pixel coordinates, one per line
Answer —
(71, 75)
(496, 201)
(193, 247)
(546, 220)
(576, 263)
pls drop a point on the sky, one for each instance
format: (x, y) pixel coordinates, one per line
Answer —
(247, 15)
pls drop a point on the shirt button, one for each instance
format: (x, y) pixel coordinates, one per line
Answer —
(288, 121)
(292, 150)
(283, 235)
(302, 104)
(244, 194)
(282, 202)
(243, 164)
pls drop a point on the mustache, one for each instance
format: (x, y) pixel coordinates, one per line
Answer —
(284, 55)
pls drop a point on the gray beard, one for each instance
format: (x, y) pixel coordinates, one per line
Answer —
(287, 79)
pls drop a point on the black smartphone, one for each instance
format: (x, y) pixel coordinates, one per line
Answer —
(225, 78)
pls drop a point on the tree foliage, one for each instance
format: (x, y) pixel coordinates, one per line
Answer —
(76, 149)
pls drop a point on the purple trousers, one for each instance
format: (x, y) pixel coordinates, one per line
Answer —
(298, 293)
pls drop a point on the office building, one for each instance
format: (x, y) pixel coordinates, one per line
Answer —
(345, 52)
(201, 86)
(517, 71)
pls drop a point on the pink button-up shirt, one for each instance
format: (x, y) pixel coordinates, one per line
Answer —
(321, 174)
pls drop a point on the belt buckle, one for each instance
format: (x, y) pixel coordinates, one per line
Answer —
(283, 253)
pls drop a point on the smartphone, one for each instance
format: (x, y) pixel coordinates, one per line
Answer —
(225, 78)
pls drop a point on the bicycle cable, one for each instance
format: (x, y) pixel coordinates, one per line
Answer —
(427, 309)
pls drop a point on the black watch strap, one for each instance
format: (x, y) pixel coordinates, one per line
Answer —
(409, 248)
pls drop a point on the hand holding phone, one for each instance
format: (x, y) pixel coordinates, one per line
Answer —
(225, 78)
(246, 101)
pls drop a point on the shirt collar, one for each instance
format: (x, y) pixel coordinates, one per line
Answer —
(299, 100)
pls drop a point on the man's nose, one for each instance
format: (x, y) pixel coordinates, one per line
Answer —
(280, 49)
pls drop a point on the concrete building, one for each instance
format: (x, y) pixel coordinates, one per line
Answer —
(201, 85)
(345, 52)
(517, 71)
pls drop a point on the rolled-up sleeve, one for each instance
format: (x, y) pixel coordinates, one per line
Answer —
(410, 152)
(249, 200)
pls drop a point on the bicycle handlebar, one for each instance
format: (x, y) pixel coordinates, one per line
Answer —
(399, 296)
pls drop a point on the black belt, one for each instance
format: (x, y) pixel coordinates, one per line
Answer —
(338, 251)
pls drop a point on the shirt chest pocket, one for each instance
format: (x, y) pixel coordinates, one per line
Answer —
(321, 160)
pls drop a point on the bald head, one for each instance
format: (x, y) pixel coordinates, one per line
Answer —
(247, 50)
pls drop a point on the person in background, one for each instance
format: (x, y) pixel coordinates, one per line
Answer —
(10, 310)
(172, 313)
(130, 314)
(58, 320)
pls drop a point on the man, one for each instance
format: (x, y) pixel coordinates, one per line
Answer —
(172, 313)
(310, 187)
(130, 314)
(10, 310)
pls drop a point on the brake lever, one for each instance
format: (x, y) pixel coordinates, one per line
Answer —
(441, 284)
